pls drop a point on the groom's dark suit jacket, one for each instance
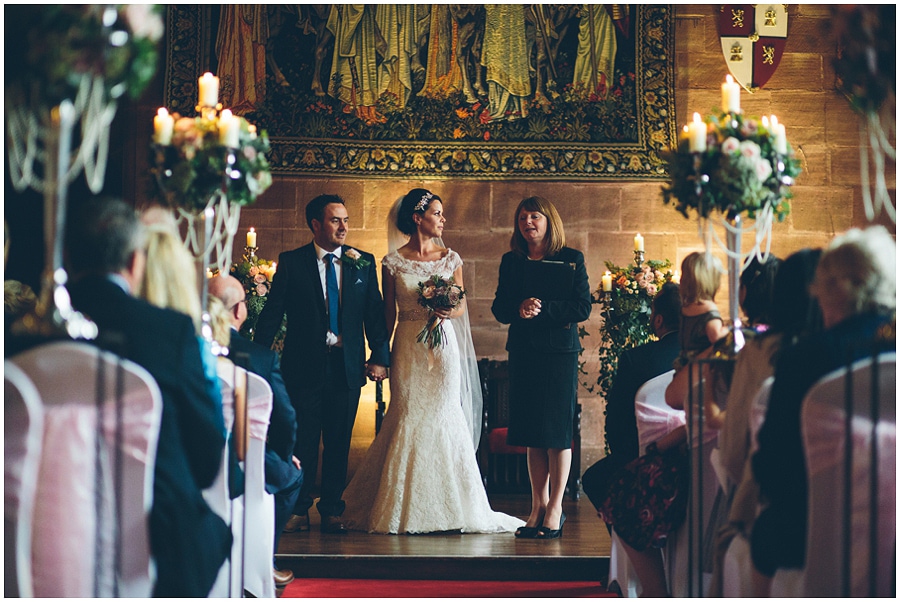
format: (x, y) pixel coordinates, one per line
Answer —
(189, 542)
(297, 292)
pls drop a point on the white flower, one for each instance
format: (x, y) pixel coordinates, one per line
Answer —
(730, 145)
(352, 254)
(763, 170)
(750, 150)
(144, 22)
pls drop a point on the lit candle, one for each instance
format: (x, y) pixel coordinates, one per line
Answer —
(163, 125)
(251, 238)
(676, 277)
(697, 134)
(607, 282)
(229, 129)
(209, 90)
(731, 95)
(779, 137)
(252, 129)
(638, 242)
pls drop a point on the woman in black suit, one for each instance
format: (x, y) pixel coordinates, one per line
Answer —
(543, 292)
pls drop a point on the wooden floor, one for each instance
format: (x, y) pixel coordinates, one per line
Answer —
(582, 553)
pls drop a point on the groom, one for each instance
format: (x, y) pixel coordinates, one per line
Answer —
(329, 293)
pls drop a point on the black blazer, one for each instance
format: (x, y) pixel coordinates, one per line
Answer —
(297, 292)
(188, 540)
(555, 329)
(636, 366)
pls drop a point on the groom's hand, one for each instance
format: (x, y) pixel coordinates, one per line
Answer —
(375, 372)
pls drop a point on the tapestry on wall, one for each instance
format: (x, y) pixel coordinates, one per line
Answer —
(436, 91)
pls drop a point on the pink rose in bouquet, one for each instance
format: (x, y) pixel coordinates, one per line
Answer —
(437, 293)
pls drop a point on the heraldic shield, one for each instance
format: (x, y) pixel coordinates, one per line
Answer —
(753, 38)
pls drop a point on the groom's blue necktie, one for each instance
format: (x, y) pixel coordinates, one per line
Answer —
(331, 288)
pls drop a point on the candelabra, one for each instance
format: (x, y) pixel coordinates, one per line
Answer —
(638, 258)
(250, 253)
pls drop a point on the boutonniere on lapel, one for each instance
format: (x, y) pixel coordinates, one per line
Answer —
(353, 258)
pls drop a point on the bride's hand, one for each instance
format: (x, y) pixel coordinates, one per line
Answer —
(443, 313)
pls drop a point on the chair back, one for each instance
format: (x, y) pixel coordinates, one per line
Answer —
(23, 425)
(850, 520)
(102, 416)
(259, 505)
(654, 417)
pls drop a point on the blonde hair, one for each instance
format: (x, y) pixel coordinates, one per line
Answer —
(220, 320)
(170, 278)
(18, 298)
(857, 273)
(556, 234)
(701, 276)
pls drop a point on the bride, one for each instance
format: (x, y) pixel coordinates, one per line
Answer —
(420, 474)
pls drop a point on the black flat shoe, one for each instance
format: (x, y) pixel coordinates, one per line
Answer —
(547, 533)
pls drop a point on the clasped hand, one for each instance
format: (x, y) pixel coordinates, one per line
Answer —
(530, 308)
(375, 372)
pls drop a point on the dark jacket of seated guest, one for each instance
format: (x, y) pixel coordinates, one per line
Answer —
(188, 541)
(555, 329)
(779, 465)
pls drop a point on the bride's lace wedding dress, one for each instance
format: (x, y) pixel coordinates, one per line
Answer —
(420, 474)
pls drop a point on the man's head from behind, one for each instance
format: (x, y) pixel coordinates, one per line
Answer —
(230, 292)
(105, 236)
(666, 309)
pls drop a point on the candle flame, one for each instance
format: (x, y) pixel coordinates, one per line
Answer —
(696, 117)
(252, 230)
(729, 79)
(162, 112)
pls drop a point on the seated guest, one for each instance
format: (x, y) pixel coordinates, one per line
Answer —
(755, 293)
(636, 366)
(793, 313)
(856, 287)
(105, 250)
(18, 300)
(283, 474)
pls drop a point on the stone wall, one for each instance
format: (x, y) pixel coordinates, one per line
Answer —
(602, 218)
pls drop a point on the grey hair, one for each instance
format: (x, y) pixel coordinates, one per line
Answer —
(858, 272)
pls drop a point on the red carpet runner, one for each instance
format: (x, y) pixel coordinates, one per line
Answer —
(397, 588)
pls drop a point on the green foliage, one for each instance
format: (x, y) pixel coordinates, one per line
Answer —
(626, 310)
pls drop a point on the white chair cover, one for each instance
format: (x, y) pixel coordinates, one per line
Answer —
(23, 426)
(64, 561)
(654, 420)
(621, 571)
(654, 417)
(823, 426)
(259, 505)
(737, 565)
(228, 581)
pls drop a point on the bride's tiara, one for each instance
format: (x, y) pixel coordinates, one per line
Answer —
(423, 202)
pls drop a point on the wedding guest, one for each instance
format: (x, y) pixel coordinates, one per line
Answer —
(543, 346)
(636, 366)
(329, 292)
(284, 476)
(793, 313)
(105, 250)
(18, 300)
(757, 282)
(856, 287)
(701, 322)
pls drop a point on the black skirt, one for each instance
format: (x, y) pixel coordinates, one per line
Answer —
(542, 394)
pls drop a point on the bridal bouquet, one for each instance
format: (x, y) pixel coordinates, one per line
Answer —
(437, 293)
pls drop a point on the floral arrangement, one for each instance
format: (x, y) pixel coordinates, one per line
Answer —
(54, 47)
(437, 293)
(626, 310)
(739, 172)
(195, 163)
(354, 259)
(256, 276)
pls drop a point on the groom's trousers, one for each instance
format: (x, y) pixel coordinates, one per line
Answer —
(326, 410)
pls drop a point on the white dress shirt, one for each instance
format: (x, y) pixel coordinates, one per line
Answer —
(330, 338)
